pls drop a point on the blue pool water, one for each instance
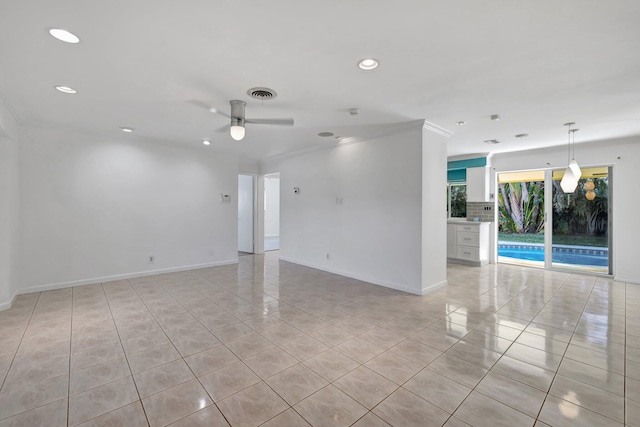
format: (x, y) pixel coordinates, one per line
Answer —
(598, 257)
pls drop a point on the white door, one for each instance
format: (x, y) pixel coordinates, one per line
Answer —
(245, 213)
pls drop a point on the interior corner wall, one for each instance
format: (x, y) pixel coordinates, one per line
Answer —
(9, 220)
(95, 209)
(9, 207)
(434, 214)
(358, 210)
(623, 155)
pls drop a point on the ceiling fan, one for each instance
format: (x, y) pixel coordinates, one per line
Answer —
(238, 119)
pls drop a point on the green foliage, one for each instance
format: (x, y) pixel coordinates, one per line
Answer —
(574, 214)
(520, 207)
(458, 201)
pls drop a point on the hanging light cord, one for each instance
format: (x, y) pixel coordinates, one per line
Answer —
(573, 144)
(569, 144)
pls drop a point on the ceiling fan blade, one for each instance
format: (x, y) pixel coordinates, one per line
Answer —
(203, 105)
(279, 122)
(222, 129)
(216, 111)
(198, 103)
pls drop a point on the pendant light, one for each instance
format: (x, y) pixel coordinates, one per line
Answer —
(569, 181)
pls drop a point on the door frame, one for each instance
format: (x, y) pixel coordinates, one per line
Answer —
(548, 219)
(262, 209)
(255, 180)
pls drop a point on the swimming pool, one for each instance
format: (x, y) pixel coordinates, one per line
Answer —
(562, 254)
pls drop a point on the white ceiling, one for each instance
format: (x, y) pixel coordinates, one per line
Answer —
(151, 65)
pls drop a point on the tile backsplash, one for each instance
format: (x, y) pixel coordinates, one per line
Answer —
(484, 211)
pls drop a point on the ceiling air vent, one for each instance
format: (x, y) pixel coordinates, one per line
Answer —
(262, 93)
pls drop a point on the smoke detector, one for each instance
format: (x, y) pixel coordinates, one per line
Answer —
(262, 93)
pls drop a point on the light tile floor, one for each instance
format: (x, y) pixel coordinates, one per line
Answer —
(270, 343)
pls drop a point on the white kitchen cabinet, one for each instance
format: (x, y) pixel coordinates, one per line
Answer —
(451, 241)
(468, 242)
(478, 184)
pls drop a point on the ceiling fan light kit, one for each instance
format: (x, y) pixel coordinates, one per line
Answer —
(238, 120)
(237, 132)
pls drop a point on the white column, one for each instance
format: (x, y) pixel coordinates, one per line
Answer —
(434, 215)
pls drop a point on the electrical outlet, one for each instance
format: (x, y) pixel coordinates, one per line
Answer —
(152, 259)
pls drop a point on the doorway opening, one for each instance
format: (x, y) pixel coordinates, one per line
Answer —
(521, 218)
(246, 214)
(540, 225)
(580, 233)
(272, 212)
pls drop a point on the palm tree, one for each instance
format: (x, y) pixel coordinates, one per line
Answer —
(519, 206)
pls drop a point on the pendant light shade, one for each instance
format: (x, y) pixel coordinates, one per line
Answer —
(569, 181)
(577, 173)
(573, 173)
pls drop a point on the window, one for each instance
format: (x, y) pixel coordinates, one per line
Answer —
(457, 200)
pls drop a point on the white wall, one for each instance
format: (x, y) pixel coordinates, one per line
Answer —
(94, 208)
(272, 206)
(9, 207)
(375, 233)
(623, 155)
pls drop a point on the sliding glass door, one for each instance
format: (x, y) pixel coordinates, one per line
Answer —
(541, 226)
(521, 218)
(580, 232)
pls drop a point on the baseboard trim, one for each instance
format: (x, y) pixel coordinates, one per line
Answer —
(352, 276)
(433, 287)
(622, 279)
(467, 262)
(103, 279)
(7, 304)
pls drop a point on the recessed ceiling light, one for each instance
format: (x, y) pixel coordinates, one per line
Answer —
(495, 117)
(492, 141)
(64, 35)
(325, 134)
(368, 64)
(461, 123)
(522, 135)
(66, 89)
(128, 130)
(206, 142)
